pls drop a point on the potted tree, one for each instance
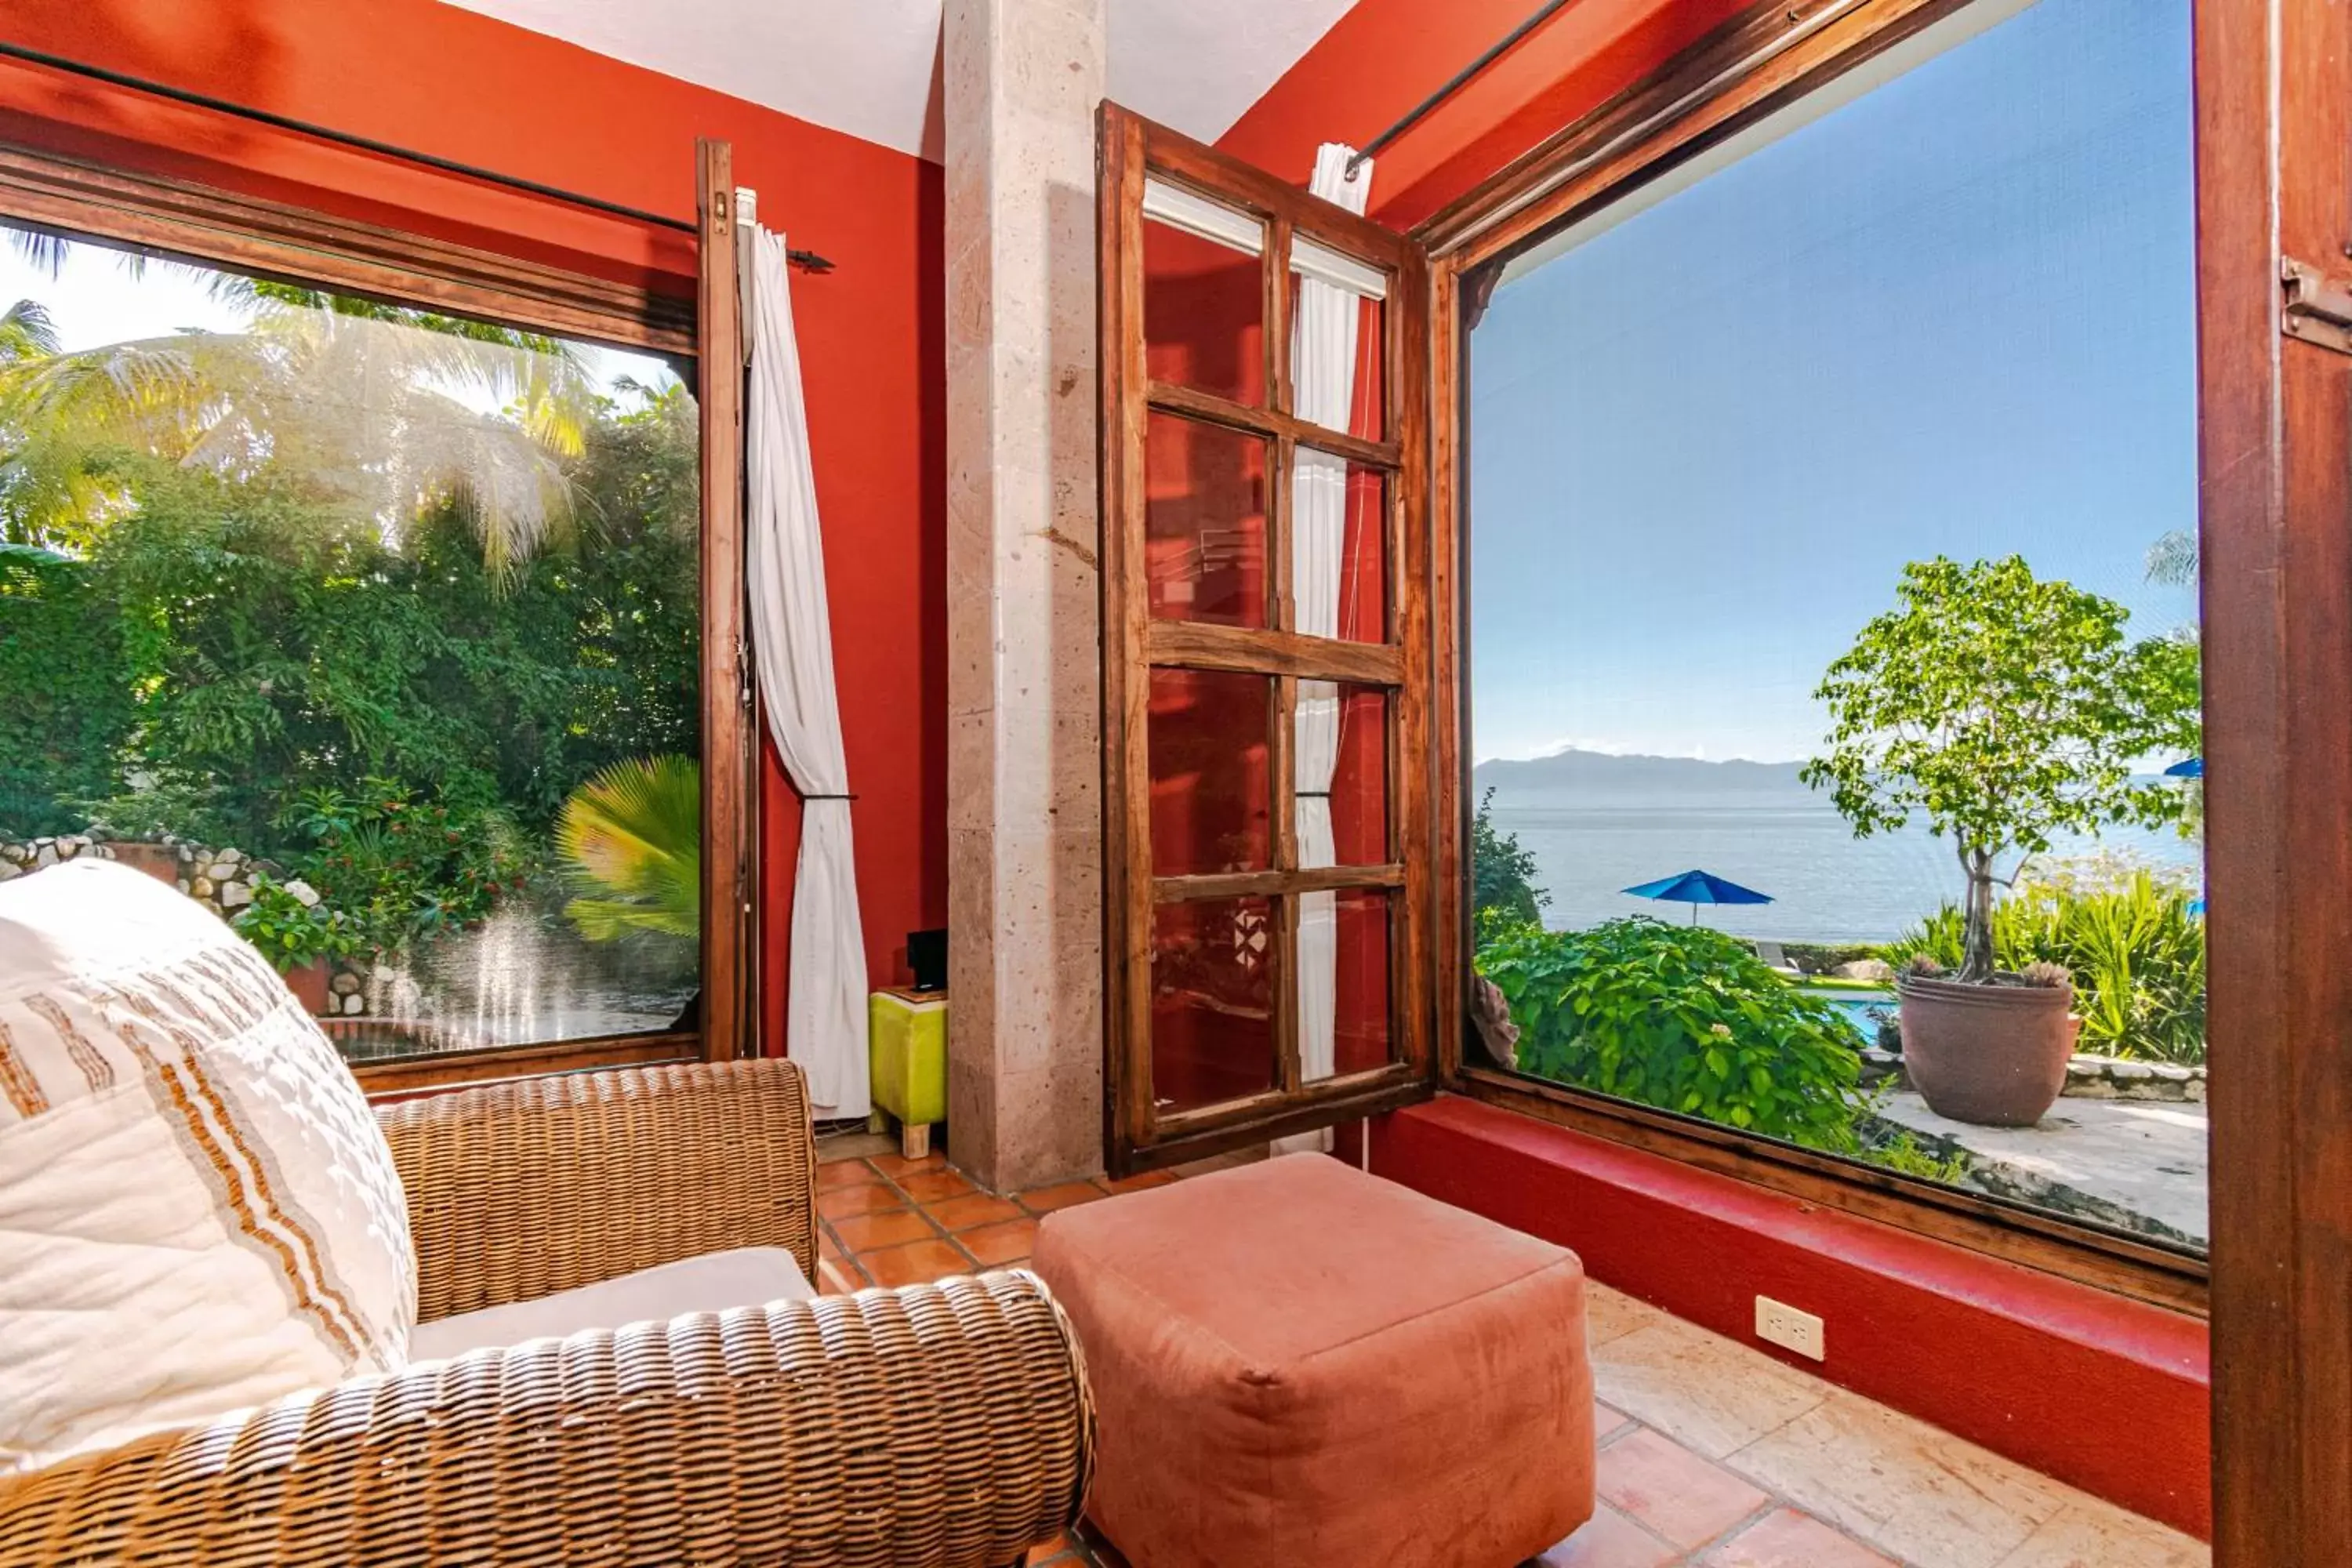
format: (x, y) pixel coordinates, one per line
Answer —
(2004, 710)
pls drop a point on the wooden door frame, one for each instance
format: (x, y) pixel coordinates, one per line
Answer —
(2274, 182)
(1136, 1136)
(214, 227)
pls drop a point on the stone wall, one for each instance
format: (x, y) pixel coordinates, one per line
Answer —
(220, 879)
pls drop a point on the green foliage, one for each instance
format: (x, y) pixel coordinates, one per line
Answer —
(2005, 709)
(1502, 874)
(2134, 951)
(291, 933)
(399, 867)
(635, 832)
(65, 709)
(1684, 1017)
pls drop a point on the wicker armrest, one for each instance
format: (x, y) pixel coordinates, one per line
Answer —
(517, 1190)
(938, 1424)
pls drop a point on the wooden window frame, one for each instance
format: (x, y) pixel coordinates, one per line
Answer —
(214, 227)
(1768, 57)
(1136, 1136)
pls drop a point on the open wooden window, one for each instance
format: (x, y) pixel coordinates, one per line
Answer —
(1266, 660)
(583, 646)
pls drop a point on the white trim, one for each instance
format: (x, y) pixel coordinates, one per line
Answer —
(1312, 258)
(1180, 207)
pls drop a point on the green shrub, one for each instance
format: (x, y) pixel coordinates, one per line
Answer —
(1682, 1017)
(633, 838)
(2128, 942)
(289, 932)
(401, 867)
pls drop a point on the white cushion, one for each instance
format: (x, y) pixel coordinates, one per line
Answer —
(747, 1276)
(197, 1211)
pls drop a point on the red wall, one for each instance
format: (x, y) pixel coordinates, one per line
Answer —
(445, 81)
(1385, 56)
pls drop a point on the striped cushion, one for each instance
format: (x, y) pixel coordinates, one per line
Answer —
(197, 1210)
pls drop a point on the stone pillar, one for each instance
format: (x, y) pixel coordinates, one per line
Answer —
(1024, 822)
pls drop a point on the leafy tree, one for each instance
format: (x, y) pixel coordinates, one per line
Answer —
(2005, 709)
(1502, 874)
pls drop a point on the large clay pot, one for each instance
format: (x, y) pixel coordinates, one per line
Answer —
(1993, 1054)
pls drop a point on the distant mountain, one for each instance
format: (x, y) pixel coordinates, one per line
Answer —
(1602, 771)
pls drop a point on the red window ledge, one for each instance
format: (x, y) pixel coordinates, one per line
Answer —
(2104, 1394)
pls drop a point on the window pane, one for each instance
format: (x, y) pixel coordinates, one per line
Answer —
(1343, 983)
(1212, 993)
(1889, 569)
(335, 613)
(1338, 356)
(1341, 754)
(1204, 310)
(1206, 738)
(1339, 568)
(1205, 522)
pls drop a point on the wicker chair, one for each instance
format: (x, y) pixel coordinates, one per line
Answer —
(942, 1423)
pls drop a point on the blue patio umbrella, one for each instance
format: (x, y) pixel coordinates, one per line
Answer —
(2194, 768)
(1697, 888)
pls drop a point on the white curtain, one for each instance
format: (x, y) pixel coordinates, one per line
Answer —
(1323, 378)
(793, 637)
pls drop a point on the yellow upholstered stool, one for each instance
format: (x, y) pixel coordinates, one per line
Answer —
(909, 1055)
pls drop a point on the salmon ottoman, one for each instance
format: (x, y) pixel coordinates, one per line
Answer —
(1296, 1364)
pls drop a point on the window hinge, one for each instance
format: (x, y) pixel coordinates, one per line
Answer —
(2314, 310)
(745, 676)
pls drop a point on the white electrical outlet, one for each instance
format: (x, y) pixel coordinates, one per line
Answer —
(1779, 1323)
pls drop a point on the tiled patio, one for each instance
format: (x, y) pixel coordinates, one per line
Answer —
(1712, 1455)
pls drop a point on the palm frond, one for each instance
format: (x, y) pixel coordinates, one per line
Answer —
(634, 833)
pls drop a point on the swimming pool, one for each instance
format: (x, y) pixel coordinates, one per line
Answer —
(1858, 1007)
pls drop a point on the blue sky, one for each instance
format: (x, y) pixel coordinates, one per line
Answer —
(1955, 315)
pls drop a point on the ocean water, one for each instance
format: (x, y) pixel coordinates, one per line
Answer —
(1826, 884)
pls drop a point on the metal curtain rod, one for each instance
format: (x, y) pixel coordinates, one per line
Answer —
(807, 259)
(1455, 83)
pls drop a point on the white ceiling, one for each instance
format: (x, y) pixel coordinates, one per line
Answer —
(868, 66)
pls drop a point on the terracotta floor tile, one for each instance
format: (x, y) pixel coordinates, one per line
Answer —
(929, 1186)
(1140, 1182)
(1000, 1245)
(873, 1197)
(1707, 1392)
(1673, 1491)
(914, 1264)
(2089, 1533)
(896, 1166)
(978, 1209)
(839, 1277)
(863, 1233)
(1787, 1539)
(1608, 1540)
(844, 1173)
(1069, 1195)
(1057, 1547)
(1901, 1486)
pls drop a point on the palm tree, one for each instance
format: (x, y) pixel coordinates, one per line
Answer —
(2172, 559)
(392, 410)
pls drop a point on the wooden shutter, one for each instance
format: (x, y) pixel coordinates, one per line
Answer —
(1204, 660)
